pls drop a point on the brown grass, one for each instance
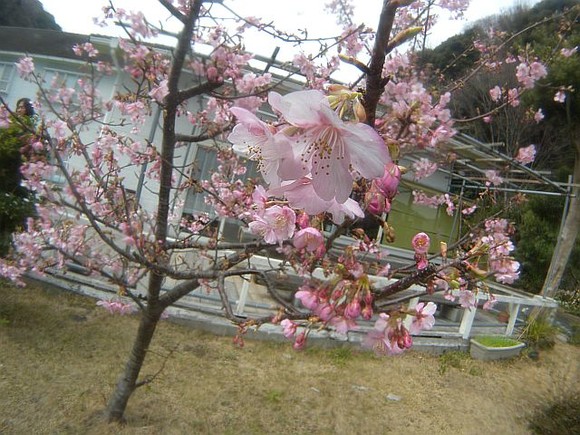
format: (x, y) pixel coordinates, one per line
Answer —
(60, 356)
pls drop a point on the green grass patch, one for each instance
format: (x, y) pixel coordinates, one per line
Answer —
(496, 341)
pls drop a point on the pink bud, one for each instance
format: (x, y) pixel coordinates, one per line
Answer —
(353, 309)
(421, 243)
(407, 340)
(367, 312)
(308, 238)
(375, 202)
(300, 341)
(303, 220)
(324, 312)
(389, 182)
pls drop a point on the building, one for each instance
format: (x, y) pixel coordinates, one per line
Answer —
(55, 61)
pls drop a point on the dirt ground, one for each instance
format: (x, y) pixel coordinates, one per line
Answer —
(60, 356)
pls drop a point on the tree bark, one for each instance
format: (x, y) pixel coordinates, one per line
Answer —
(152, 313)
(127, 382)
(375, 81)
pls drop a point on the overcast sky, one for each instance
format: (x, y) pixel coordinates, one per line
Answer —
(77, 17)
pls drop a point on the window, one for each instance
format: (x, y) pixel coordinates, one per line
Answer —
(58, 175)
(205, 164)
(62, 85)
(61, 79)
(6, 71)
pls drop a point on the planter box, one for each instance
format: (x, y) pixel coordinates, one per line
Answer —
(486, 353)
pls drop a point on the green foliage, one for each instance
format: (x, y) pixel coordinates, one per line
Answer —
(539, 332)
(537, 223)
(560, 416)
(453, 56)
(16, 203)
(569, 300)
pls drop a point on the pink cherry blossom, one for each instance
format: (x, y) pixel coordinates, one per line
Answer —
(495, 93)
(424, 317)
(308, 238)
(538, 116)
(469, 210)
(60, 129)
(514, 97)
(87, 47)
(528, 74)
(276, 225)
(255, 139)
(289, 328)
(423, 168)
(300, 194)
(303, 221)
(489, 304)
(505, 270)
(466, 299)
(375, 201)
(25, 67)
(526, 155)
(342, 324)
(388, 336)
(493, 177)
(327, 147)
(4, 117)
(421, 243)
(560, 96)
(308, 298)
(159, 92)
(116, 307)
(567, 52)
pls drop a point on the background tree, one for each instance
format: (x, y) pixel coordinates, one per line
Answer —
(16, 202)
(26, 13)
(534, 118)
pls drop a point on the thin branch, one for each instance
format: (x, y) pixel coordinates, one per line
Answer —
(149, 379)
(194, 91)
(201, 137)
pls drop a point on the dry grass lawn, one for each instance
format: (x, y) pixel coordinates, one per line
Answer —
(60, 356)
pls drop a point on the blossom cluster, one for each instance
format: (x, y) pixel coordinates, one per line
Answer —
(312, 157)
(389, 335)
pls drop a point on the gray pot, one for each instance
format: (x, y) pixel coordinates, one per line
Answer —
(485, 353)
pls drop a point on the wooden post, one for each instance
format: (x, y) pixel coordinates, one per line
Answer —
(243, 297)
(467, 322)
(514, 311)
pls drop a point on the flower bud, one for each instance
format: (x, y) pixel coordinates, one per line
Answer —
(389, 182)
(353, 309)
(359, 111)
(375, 202)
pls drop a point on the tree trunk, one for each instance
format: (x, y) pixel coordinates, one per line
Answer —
(568, 232)
(127, 382)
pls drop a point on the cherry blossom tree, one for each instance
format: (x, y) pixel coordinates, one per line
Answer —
(330, 156)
